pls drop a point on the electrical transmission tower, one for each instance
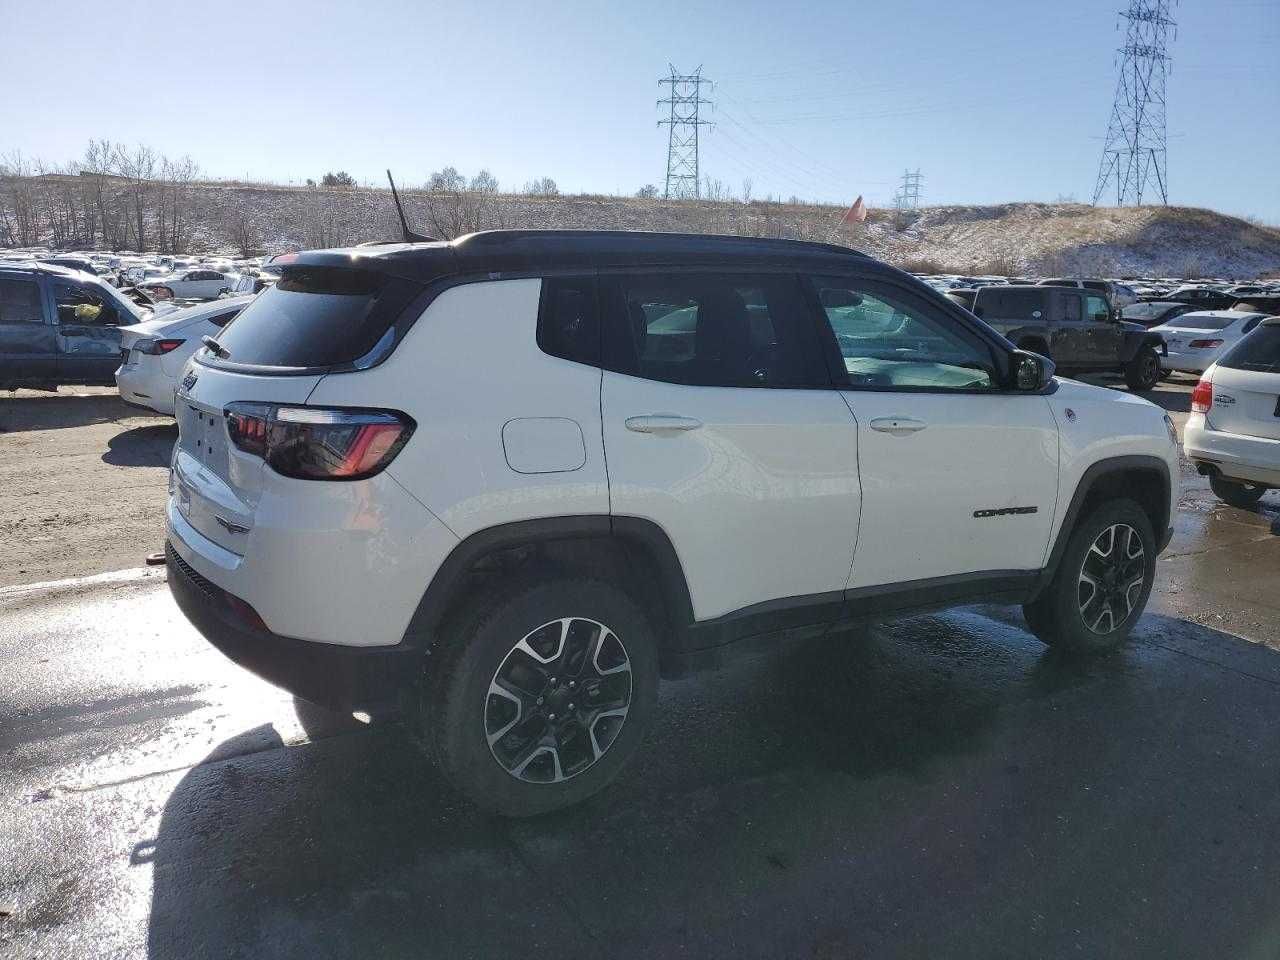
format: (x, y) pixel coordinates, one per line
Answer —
(682, 125)
(1135, 157)
(908, 195)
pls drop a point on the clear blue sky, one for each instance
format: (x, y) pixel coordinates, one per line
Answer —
(994, 100)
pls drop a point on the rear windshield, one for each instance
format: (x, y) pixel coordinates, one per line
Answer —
(1260, 350)
(1145, 311)
(315, 317)
(1193, 321)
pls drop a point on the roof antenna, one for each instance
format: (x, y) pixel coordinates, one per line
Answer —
(409, 235)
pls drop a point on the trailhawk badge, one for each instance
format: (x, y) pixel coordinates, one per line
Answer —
(189, 381)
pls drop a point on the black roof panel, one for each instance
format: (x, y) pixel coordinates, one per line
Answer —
(526, 251)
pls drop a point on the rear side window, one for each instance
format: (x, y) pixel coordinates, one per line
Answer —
(707, 329)
(316, 317)
(568, 319)
(1068, 308)
(1011, 304)
(20, 302)
(1259, 351)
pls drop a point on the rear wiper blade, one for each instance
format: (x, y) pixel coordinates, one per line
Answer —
(215, 347)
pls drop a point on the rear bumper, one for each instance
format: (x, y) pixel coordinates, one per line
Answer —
(1239, 457)
(337, 677)
(1188, 363)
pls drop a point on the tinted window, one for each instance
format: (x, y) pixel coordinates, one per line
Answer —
(1260, 350)
(1068, 308)
(20, 302)
(222, 319)
(1010, 304)
(316, 317)
(707, 330)
(888, 340)
(568, 321)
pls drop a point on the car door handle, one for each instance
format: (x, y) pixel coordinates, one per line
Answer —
(898, 426)
(661, 423)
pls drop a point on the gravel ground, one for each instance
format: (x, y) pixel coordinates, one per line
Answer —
(83, 479)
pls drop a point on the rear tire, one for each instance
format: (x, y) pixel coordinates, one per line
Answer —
(521, 735)
(1102, 582)
(1237, 493)
(1142, 373)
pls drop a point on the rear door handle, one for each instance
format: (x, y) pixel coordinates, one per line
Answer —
(898, 426)
(661, 423)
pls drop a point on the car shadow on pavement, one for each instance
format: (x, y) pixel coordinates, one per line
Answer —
(936, 786)
(55, 411)
(142, 446)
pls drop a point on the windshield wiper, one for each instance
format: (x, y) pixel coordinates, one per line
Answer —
(215, 347)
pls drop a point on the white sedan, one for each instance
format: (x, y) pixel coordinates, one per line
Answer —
(1233, 433)
(1197, 339)
(198, 284)
(154, 352)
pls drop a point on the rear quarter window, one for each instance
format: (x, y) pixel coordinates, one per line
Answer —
(316, 317)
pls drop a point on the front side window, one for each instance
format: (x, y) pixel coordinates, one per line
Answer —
(20, 302)
(707, 329)
(1097, 308)
(80, 305)
(889, 340)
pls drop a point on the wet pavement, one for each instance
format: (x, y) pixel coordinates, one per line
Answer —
(940, 786)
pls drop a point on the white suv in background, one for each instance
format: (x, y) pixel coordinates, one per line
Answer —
(508, 481)
(1233, 433)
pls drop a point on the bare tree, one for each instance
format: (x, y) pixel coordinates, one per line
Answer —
(647, 192)
(746, 189)
(456, 207)
(138, 169)
(173, 201)
(542, 187)
(21, 210)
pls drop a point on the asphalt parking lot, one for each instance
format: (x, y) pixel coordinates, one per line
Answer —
(940, 786)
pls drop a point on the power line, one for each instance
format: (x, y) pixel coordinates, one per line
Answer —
(682, 125)
(1136, 151)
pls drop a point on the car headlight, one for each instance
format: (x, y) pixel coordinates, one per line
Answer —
(1173, 431)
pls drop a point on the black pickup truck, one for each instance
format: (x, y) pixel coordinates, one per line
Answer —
(1076, 328)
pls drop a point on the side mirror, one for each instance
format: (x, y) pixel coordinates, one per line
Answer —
(1031, 371)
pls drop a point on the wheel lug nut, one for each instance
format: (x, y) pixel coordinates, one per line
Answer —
(573, 684)
(540, 699)
(571, 707)
(551, 716)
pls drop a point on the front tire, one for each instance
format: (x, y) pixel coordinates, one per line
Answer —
(1142, 373)
(539, 693)
(1102, 582)
(1237, 493)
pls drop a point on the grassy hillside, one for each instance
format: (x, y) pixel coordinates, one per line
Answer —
(1008, 238)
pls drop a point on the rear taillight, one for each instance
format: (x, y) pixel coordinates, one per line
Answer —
(155, 348)
(1202, 344)
(319, 443)
(1202, 397)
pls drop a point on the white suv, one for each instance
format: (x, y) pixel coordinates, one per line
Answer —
(510, 480)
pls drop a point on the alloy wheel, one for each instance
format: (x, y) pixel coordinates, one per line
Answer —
(558, 700)
(1111, 578)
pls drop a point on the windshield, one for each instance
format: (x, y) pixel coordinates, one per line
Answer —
(1258, 351)
(1201, 321)
(1145, 311)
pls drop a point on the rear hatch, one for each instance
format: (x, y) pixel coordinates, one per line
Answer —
(316, 320)
(1246, 385)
